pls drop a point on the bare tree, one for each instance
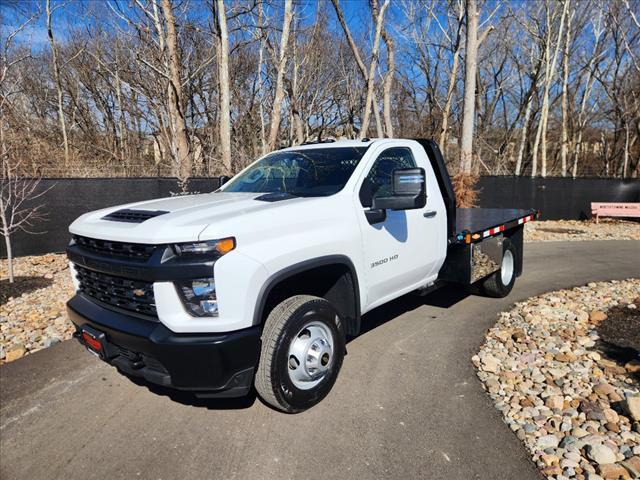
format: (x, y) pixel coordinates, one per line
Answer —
(471, 54)
(453, 76)
(223, 79)
(276, 111)
(549, 74)
(181, 154)
(18, 212)
(361, 66)
(58, 82)
(388, 76)
(564, 142)
(533, 76)
(151, 89)
(597, 28)
(369, 104)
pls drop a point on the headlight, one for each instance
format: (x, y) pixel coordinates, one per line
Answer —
(199, 296)
(209, 247)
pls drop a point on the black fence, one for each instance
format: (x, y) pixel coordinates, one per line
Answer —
(556, 198)
(67, 199)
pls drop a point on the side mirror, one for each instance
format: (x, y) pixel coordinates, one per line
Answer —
(409, 191)
(223, 179)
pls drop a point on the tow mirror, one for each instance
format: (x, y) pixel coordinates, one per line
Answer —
(223, 179)
(408, 191)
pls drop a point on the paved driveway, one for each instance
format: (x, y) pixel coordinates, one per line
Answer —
(407, 403)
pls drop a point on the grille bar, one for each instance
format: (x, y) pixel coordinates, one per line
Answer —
(134, 251)
(133, 295)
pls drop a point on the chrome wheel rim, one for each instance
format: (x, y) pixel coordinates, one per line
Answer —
(506, 272)
(310, 355)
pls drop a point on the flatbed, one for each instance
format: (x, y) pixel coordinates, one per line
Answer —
(479, 223)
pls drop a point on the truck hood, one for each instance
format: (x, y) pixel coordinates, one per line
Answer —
(186, 218)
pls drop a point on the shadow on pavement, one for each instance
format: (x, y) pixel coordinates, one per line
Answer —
(443, 297)
(189, 399)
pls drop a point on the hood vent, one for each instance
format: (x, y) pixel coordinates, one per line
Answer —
(275, 197)
(133, 216)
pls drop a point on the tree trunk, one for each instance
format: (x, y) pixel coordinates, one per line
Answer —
(225, 97)
(182, 157)
(263, 134)
(5, 221)
(297, 129)
(466, 143)
(7, 243)
(453, 78)
(358, 58)
(58, 80)
(541, 134)
(565, 101)
(296, 123)
(276, 111)
(388, 81)
(369, 103)
(122, 125)
(626, 150)
(583, 104)
(523, 137)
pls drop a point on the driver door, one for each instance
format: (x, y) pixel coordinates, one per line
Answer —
(400, 252)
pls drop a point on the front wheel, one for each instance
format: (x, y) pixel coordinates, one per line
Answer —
(303, 345)
(499, 284)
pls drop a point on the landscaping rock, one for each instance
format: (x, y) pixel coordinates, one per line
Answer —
(34, 315)
(576, 230)
(15, 352)
(633, 405)
(547, 441)
(600, 454)
(633, 466)
(566, 401)
(596, 316)
(613, 472)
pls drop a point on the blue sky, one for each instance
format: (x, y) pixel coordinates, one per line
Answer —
(70, 14)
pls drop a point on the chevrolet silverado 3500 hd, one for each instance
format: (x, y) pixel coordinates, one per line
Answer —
(261, 282)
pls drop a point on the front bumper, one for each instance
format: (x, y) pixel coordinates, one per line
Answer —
(212, 365)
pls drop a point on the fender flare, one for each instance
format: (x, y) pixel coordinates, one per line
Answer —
(304, 266)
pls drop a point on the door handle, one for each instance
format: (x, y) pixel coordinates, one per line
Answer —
(430, 213)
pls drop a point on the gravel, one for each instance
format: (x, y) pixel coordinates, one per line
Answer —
(575, 230)
(32, 310)
(576, 410)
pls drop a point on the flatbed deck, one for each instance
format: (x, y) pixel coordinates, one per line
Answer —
(484, 222)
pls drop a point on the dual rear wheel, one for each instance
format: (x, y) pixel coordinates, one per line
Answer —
(499, 284)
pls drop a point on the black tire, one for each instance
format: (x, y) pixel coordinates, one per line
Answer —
(284, 323)
(493, 285)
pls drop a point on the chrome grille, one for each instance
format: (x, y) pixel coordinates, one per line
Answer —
(132, 295)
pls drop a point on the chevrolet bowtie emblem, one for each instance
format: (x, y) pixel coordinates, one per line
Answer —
(138, 292)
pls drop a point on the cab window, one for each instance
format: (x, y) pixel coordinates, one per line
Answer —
(379, 179)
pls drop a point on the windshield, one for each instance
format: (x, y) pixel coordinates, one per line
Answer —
(306, 173)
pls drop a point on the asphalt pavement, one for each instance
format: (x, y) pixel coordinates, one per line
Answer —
(406, 405)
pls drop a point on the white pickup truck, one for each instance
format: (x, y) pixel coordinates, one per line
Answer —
(261, 282)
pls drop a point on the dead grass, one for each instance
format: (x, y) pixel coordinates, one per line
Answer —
(465, 186)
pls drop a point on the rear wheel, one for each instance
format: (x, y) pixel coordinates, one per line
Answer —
(303, 345)
(499, 284)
